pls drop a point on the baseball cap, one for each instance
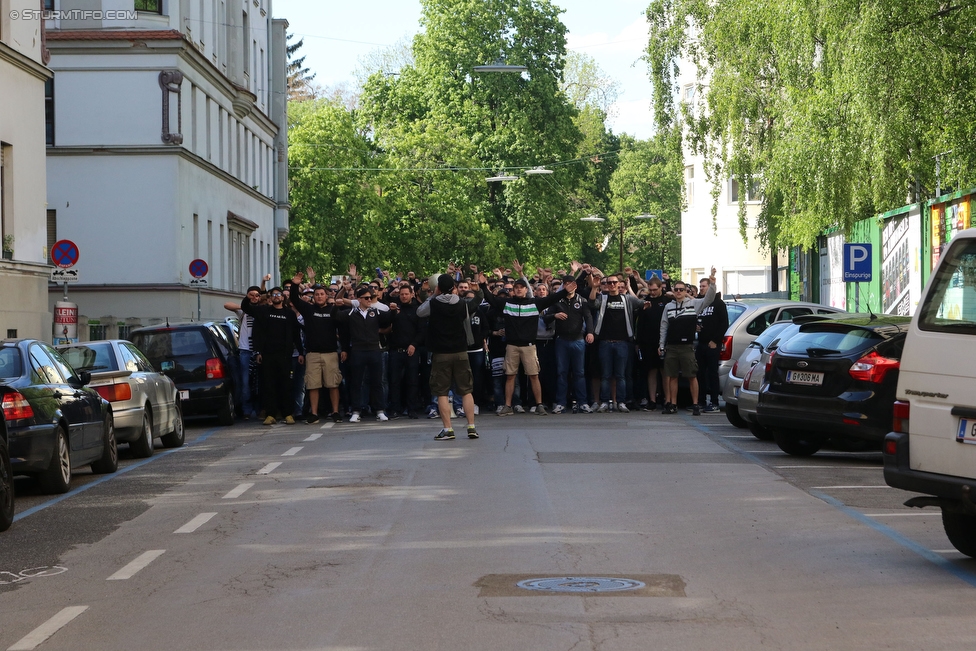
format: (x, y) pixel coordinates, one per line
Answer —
(445, 283)
(569, 278)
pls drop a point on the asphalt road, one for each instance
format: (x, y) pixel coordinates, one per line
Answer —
(375, 536)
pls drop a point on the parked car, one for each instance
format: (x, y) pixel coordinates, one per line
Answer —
(53, 421)
(145, 403)
(758, 315)
(199, 358)
(748, 394)
(6, 480)
(932, 448)
(834, 379)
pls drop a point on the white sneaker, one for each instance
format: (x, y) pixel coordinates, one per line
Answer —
(595, 407)
(531, 410)
(622, 408)
(354, 418)
(476, 410)
(459, 413)
(603, 408)
(381, 416)
(585, 408)
(519, 409)
(558, 409)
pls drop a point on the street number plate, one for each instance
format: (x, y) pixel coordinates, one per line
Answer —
(804, 377)
(184, 395)
(967, 431)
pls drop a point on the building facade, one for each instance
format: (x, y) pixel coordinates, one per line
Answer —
(24, 270)
(167, 143)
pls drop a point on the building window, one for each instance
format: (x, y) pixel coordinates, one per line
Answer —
(49, 111)
(149, 6)
(690, 184)
(52, 229)
(751, 196)
(688, 92)
(49, 5)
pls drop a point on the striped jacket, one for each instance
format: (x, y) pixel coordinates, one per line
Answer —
(521, 314)
(680, 320)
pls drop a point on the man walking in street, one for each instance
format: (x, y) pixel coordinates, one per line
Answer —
(276, 334)
(521, 314)
(677, 341)
(448, 337)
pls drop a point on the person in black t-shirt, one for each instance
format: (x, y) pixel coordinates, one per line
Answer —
(648, 334)
(616, 312)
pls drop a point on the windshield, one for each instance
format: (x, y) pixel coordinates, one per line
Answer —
(10, 366)
(163, 344)
(826, 340)
(950, 305)
(92, 358)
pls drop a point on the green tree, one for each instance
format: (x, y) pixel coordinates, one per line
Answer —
(836, 110)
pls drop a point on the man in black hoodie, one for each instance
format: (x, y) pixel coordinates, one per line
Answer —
(361, 338)
(448, 332)
(521, 314)
(405, 342)
(714, 321)
(276, 333)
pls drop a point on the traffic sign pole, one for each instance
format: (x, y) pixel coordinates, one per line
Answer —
(199, 269)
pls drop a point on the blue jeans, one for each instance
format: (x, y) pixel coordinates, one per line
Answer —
(613, 362)
(569, 362)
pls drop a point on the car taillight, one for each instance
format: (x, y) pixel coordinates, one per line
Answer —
(873, 367)
(726, 348)
(115, 392)
(735, 367)
(15, 406)
(769, 361)
(748, 378)
(899, 421)
(215, 369)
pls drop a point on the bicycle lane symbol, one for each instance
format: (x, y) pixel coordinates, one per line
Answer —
(7, 578)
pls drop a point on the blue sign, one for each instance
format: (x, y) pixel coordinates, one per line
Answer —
(64, 254)
(649, 273)
(199, 268)
(857, 263)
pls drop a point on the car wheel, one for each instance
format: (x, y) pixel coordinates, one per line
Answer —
(732, 413)
(57, 478)
(6, 488)
(142, 447)
(109, 462)
(175, 438)
(798, 444)
(760, 432)
(961, 530)
(226, 415)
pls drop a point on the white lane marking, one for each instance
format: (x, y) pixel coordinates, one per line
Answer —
(40, 634)
(292, 452)
(139, 563)
(946, 551)
(937, 514)
(237, 492)
(195, 523)
(313, 437)
(268, 469)
(835, 487)
(328, 426)
(731, 436)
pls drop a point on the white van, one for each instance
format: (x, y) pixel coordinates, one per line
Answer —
(932, 449)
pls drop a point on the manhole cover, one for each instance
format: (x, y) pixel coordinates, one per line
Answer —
(579, 584)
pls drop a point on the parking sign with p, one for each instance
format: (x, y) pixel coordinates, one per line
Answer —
(857, 263)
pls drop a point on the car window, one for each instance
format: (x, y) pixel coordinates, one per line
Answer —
(129, 360)
(220, 336)
(144, 364)
(787, 313)
(771, 333)
(761, 322)
(823, 311)
(91, 357)
(830, 341)
(735, 310)
(43, 370)
(63, 367)
(950, 305)
(10, 364)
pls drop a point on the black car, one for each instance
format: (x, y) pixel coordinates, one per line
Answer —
(53, 422)
(200, 359)
(835, 380)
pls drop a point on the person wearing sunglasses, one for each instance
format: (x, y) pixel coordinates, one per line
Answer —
(679, 323)
(616, 312)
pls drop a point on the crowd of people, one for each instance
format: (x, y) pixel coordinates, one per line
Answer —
(464, 342)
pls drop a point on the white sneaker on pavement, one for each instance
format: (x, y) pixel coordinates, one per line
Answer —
(381, 416)
(354, 418)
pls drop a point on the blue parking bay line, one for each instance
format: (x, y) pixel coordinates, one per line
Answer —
(121, 471)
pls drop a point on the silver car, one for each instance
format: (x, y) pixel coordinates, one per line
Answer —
(752, 382)
(758, 315)
(144, 402)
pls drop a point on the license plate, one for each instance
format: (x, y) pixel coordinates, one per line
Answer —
(184, 395)
(967, 431)
(804, 377)
(737, 392)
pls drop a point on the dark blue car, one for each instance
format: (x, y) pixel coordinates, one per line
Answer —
(53, 422)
